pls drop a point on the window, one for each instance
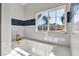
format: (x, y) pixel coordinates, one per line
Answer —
(75, 17)
(54, 19)
(42, 21)
(42, 18)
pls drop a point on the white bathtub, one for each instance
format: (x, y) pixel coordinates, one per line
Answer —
(41, 49)
(35, 48)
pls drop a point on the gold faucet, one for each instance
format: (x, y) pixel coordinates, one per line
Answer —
(18, 38)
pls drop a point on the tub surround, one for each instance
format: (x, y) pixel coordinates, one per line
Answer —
(45, 49)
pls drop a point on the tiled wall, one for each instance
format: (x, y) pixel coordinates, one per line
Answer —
(18, 22)
(18, 27)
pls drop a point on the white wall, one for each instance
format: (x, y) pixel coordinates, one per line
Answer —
(32, 8)
(5, 30)
(75, 44)
(17, 30)
(10, 11)
(17, 12)
(29, 31)
(75, 36)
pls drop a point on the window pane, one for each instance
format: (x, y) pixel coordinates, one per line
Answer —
(59, 24)
(52, 20)
(75, 8)
(59, 21)
(45, 27)
(42, 18)
(40, 27)
(52, 14)
(60, 12)
(76, 17)
(52, 23)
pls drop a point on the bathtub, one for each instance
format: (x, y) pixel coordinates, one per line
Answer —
(34, 48)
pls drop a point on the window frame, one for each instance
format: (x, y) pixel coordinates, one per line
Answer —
(56, 8)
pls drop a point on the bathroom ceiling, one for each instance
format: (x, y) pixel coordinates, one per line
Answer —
(24, 4)
(40, 4)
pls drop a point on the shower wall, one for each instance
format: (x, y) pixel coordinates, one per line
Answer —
(9, 11)
(17, 12)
